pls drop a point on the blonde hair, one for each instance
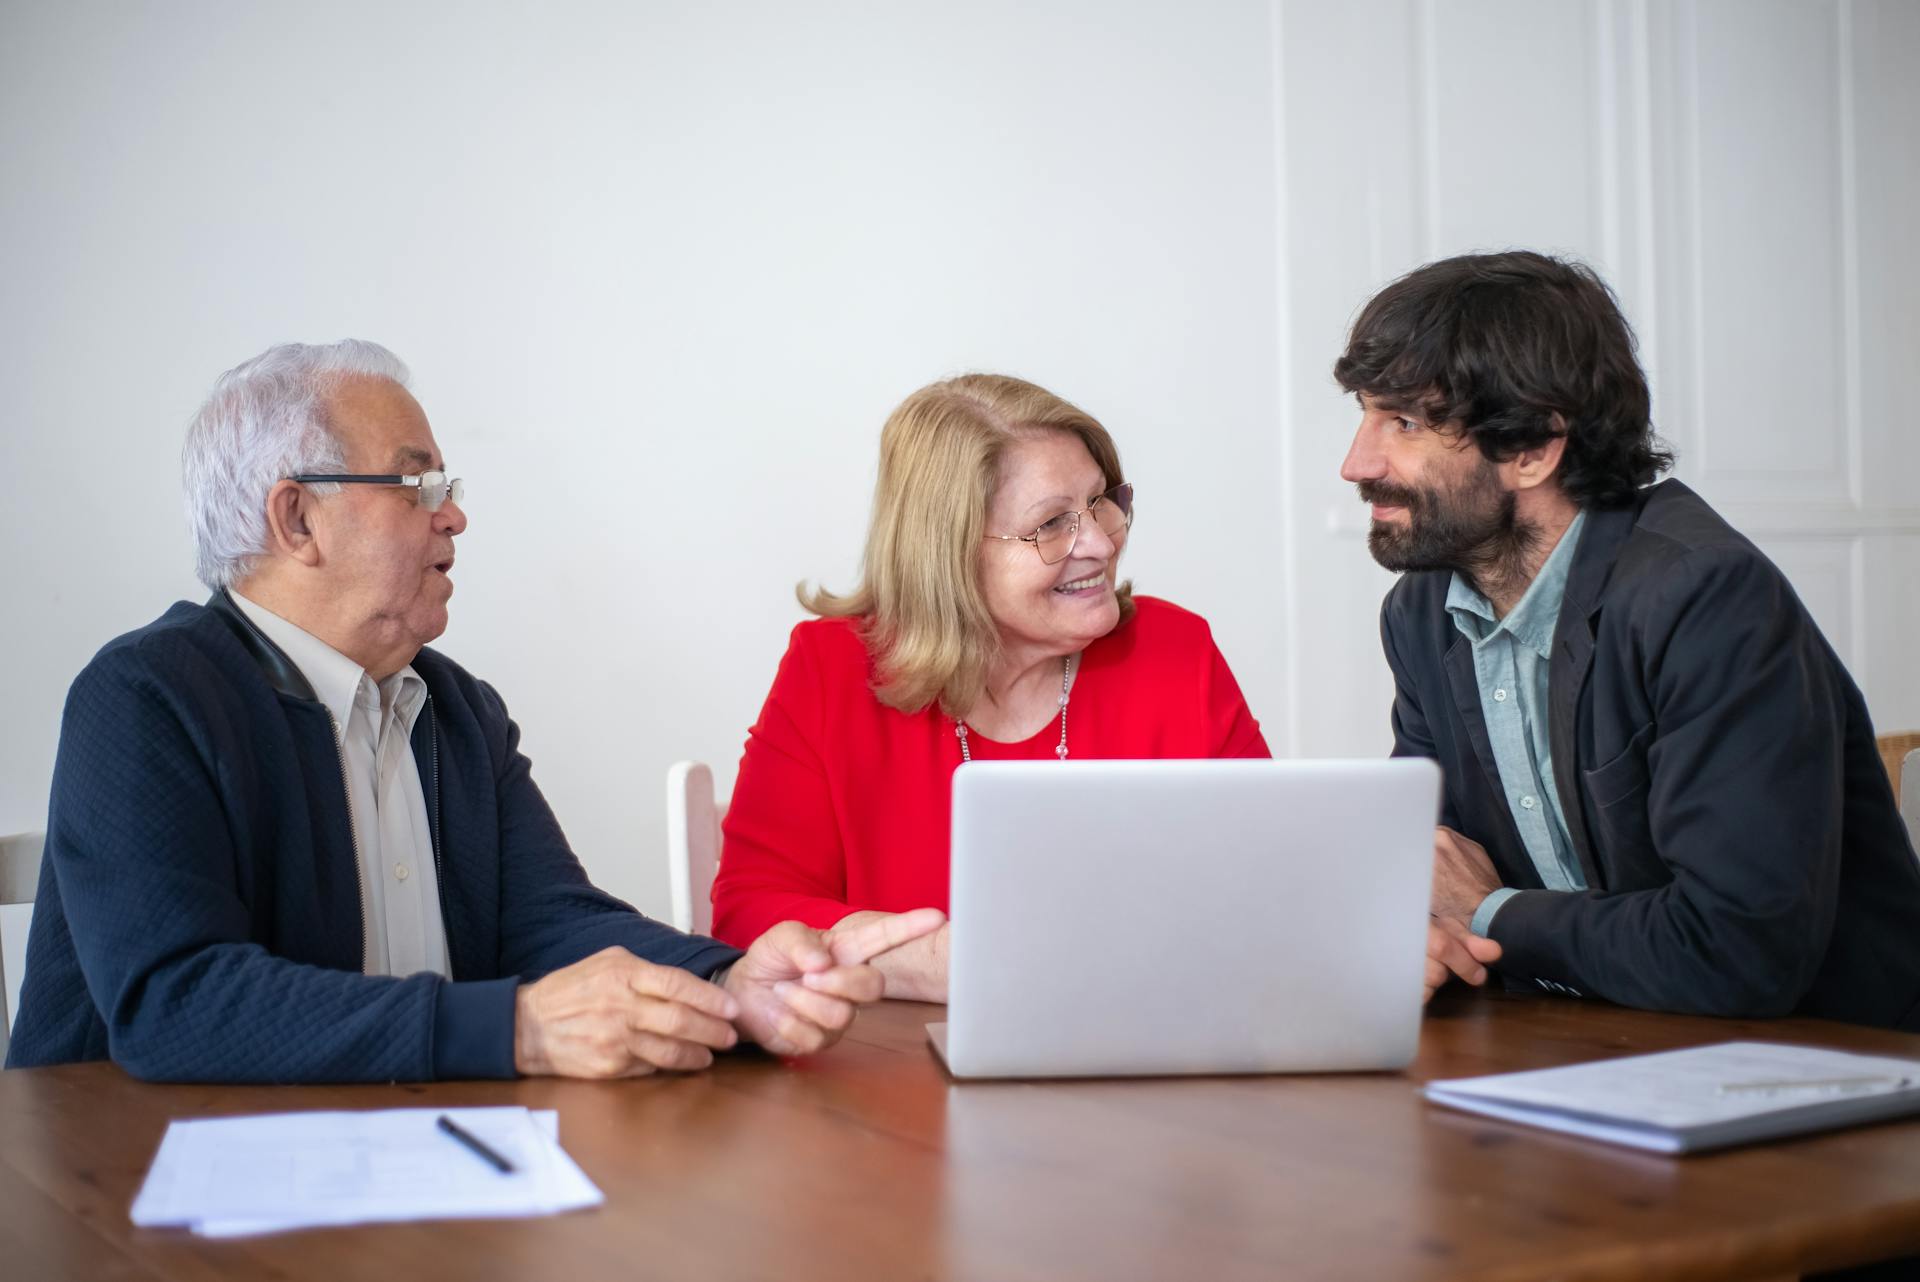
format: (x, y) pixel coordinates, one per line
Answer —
(921, 610)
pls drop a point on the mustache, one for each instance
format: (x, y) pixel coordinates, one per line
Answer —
(1388, 495)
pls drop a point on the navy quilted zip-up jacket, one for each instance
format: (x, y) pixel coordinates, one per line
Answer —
(199, 917)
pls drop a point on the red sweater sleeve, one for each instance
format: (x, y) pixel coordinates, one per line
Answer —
(783, 859)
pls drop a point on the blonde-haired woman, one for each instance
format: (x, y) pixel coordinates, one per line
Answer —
(991, 625)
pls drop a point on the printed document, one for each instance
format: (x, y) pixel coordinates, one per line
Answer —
(228, 1176)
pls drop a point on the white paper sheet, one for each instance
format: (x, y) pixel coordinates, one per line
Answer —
(225, 1177)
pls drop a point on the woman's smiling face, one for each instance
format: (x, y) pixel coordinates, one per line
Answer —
(1064, 607)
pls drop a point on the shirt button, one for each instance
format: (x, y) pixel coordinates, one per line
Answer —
(1526, 803)
(400, 871)
(1499, 696)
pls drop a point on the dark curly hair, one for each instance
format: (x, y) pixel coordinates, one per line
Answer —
(1497, 346)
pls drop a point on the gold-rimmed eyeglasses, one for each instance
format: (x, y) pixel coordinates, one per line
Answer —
(430, 489)
(1054, 539)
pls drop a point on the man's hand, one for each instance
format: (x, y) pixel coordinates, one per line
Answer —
(614, 1015)
(1452, 950)
(1462, 876)
(797, 988)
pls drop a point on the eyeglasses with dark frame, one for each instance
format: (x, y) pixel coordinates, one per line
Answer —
(431, 489)
(1054, 539)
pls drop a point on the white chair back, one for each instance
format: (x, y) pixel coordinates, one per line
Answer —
(1910, 795)
(19, 878)
(693, 844)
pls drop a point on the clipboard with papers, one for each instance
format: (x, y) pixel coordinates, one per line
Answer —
(1699, 1099)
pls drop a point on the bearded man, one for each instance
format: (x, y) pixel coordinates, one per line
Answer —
(1662, 787)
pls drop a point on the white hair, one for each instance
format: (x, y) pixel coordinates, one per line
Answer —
(265, 420)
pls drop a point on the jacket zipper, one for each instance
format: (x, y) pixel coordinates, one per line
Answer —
(353, 834)
(433, 837)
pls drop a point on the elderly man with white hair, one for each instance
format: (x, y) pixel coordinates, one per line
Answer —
(288, 843)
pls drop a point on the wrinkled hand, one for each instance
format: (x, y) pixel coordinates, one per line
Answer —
(797, 988)
(1453, 950)
(1462, 876)
(614, 1015)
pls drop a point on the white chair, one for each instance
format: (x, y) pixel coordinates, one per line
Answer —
(693, 844)
(19, 878)
(1910, 795)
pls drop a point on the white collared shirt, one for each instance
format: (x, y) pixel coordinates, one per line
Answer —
(373, 726)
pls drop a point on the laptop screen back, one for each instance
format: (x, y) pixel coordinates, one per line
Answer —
(1115, 917)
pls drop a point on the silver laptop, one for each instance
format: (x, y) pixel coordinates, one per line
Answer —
(1158, 917)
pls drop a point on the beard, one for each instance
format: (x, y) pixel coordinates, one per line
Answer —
(1469, 527)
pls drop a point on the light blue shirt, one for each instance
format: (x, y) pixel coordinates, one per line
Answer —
(1511, 663)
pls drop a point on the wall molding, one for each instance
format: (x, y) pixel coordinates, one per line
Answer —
(1819, 520)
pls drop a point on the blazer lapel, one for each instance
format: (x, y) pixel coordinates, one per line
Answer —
(1464, 682)
(1600, 542)
(1572, 657)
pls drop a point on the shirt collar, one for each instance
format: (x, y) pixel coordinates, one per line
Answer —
(336, 679)
(1532, 621)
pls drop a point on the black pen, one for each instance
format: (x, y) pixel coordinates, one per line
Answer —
(475, 1144)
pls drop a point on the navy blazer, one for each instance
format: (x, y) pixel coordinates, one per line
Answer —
(1743, 851)
(199, 915)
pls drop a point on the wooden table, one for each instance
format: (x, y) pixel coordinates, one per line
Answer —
(867, 1162)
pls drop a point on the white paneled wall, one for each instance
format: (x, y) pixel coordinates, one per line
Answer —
(662, 269)
(1744, 172)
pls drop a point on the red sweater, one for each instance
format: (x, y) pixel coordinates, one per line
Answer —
(843, 803)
